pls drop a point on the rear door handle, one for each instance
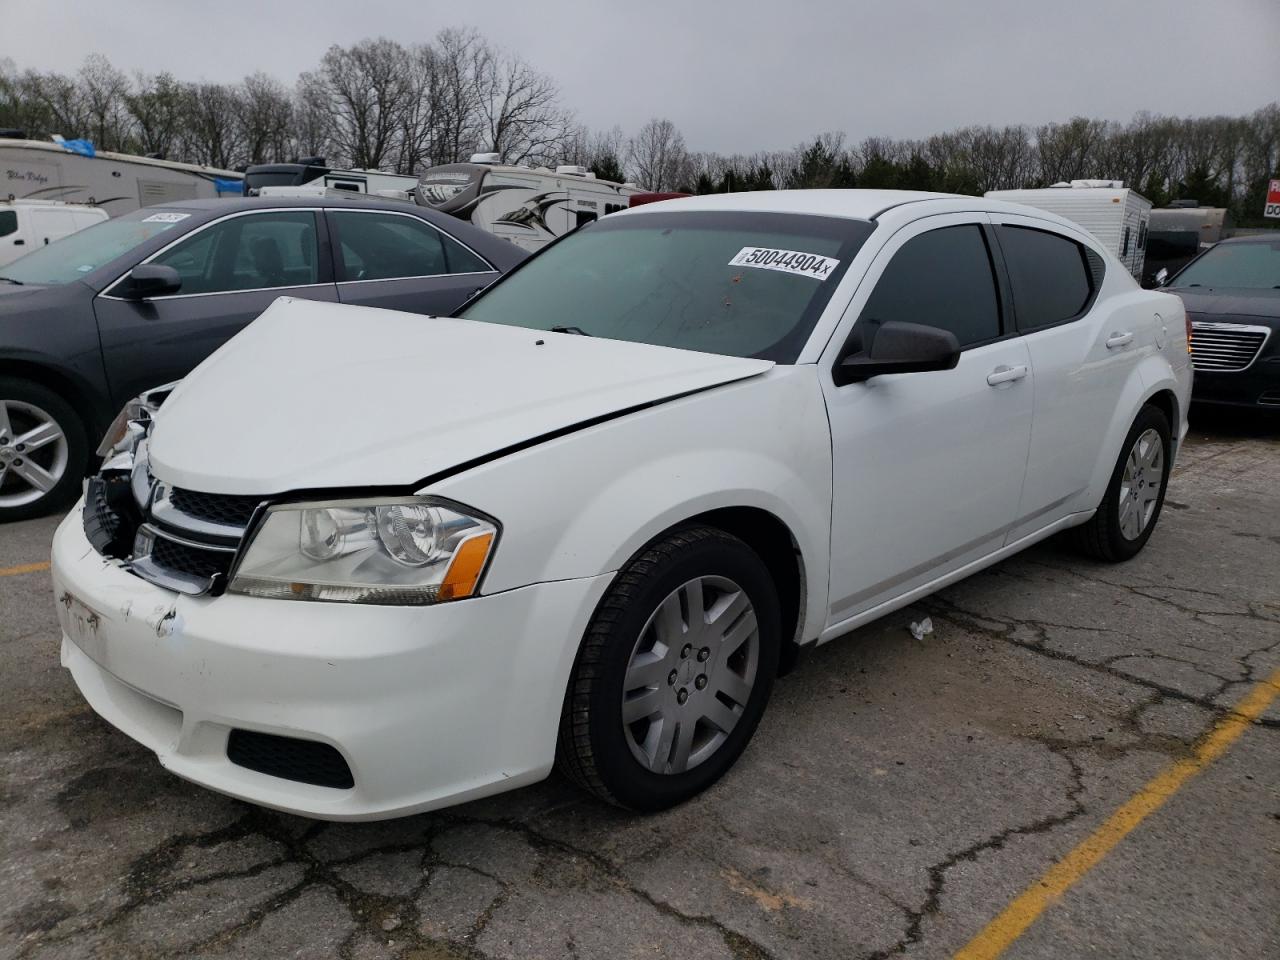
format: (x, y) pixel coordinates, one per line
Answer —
(1004, 374)
(1119, 340)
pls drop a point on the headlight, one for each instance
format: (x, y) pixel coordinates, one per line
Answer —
(132, 422)
(403, 550)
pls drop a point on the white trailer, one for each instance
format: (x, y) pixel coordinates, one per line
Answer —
(530, 206)
(1115, 214)
(118, 182)
(314, 174)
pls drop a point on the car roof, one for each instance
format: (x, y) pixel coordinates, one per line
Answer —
(1271, 236)
(853, 204)
(232, 204)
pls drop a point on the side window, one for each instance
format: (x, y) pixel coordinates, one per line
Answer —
(385, 246)
(253, 252)
(8, 222)
(1049, 274)
(942, 279)
(1124, 244)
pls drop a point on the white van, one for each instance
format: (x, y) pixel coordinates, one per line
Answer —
(27, 224)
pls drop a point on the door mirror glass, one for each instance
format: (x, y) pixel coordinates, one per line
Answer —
(1162, 276)
(151, 280)
(897, 347)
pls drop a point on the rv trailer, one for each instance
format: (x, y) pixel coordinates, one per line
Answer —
(118, 182)
(530, 206)
(313, 173)
(1113, 213)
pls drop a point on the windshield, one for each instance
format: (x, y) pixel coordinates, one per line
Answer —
(73, 256)
(738, 284)
(1252, 265)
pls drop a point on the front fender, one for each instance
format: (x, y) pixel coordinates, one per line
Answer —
(580, 505)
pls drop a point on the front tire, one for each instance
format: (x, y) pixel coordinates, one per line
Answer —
(674, 672)
(43, 450)
(1131, 506)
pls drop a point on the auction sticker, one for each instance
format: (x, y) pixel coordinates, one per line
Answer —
(165, 217)
(786, 261)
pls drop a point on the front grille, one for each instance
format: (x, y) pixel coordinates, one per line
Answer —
(1224, 348)
(303, 761)
(189, 560)
(1270, 398)
(227, 509)
(110, 515)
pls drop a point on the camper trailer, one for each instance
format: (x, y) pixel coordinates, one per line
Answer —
(1113, 213)
(530, 206)
(311, 172)
(1179, 232)
(117, 182)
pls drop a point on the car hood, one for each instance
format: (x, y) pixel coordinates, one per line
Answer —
(314, 395)
(1210, 302)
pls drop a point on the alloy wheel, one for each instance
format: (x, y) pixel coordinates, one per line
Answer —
(690, 675)
(33, 453)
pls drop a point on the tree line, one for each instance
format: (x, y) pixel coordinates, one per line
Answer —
(405, 107)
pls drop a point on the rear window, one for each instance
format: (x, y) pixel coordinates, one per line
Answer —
(1049, 274)
(738, 284)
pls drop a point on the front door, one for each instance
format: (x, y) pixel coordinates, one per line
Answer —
(927, 467)
(231, 269)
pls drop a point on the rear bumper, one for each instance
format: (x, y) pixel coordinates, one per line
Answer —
(428, 706)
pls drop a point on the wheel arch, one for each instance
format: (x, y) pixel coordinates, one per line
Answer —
(776, 546)
(77, 393)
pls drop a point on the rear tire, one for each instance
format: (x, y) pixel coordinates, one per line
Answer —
(1130, 508)
(686, 642)
(44, 451)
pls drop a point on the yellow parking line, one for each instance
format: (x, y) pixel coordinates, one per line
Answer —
(24, 568)
(1001, 932)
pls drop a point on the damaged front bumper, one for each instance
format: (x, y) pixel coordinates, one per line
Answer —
(422, 706)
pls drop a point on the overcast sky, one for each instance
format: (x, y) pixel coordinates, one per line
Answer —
(741, 76)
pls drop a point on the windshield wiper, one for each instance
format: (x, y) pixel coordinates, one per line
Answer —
(576, 331)
(16, 283)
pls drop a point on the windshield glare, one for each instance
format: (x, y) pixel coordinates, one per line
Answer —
(738, 284)
(1245, 266)
(80, 253)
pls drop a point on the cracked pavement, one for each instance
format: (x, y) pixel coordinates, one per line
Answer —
(898, 795)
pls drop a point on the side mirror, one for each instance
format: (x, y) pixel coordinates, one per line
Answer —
(898, 347)
(1162, 276)
(151, 280)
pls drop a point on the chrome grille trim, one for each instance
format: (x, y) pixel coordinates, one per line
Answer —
(1225, 347)
(201, 544)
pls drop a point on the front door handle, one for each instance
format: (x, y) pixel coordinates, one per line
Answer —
(1119, 340)
(1003, 374)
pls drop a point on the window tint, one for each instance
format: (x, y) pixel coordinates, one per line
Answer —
(8, 222)
(384, 246)
(1049, 275)
(942, 279)
(254, 252)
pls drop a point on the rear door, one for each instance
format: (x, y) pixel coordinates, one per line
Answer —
(232, 269)
(1081, 357)
(386, 258)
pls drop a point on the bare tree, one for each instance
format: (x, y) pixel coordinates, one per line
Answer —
(658, 156)
(102, 91)
(156, 105)
(520, 115)
(456, 124)
(367, 90)
(212, 134)
(264, 118)
(311, 128)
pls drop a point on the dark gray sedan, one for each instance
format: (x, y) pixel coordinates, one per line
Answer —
(89, 322)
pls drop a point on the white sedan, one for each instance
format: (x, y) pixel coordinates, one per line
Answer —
(361, 564)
